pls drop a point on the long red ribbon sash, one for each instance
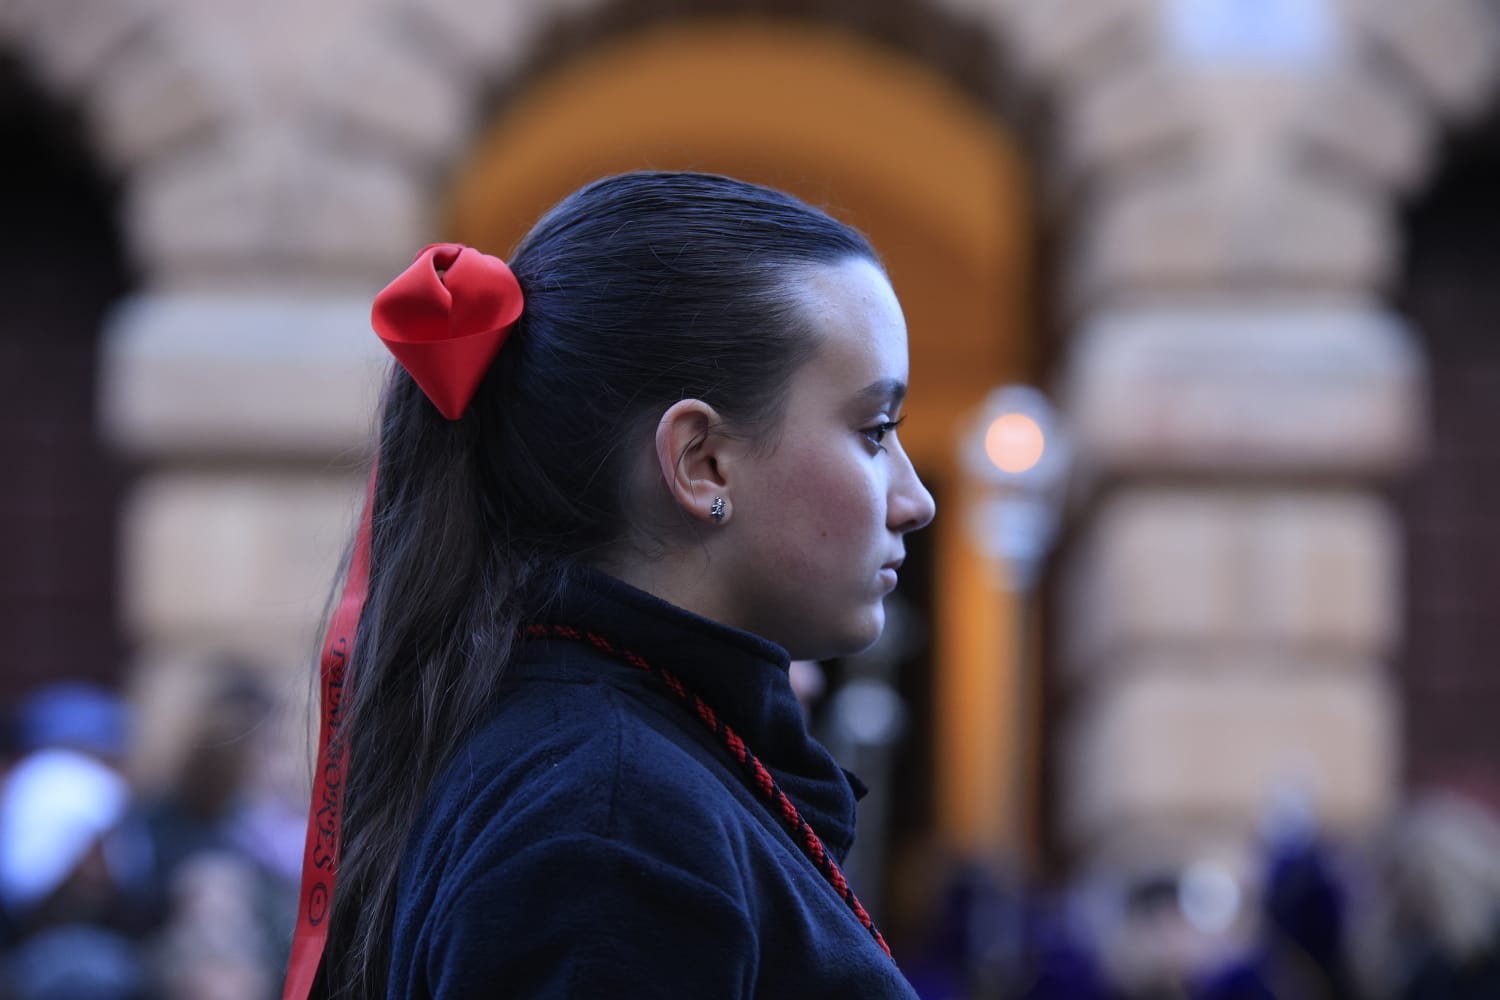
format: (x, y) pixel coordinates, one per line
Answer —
(321, 853)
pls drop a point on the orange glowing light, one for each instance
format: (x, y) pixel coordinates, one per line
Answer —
(1014, 442)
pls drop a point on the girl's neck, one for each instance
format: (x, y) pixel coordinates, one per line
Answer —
(684, 579)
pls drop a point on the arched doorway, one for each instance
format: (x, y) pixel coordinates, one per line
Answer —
(818, 111)
(61, 258)
(1452, 526)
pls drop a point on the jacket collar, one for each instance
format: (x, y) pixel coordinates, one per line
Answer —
(741, 676)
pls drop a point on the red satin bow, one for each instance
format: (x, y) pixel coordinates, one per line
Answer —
(446, 328)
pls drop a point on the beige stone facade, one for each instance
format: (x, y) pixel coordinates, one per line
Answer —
(1238, 391)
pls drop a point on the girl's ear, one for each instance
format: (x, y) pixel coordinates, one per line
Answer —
(695, 459)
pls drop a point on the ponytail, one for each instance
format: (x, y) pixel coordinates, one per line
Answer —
(438, 627)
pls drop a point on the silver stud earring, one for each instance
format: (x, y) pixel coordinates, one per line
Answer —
(716, 510)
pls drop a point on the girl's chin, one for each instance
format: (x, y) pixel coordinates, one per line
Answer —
(858, 637)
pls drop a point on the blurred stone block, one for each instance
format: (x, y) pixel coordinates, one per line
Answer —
(1367, 123)
(241, 375)
(1450, 48)
(1144, 117)
(214, 557)
(383, 95)
(165, 91)
(1219, 570)
(69, 43)
(1272, 387)
(1235, 227)
(1183, 745)
(264, 205)
(480, 37)
(1063, 47)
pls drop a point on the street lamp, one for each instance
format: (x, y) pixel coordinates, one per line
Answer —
(1015, 457)
(1018, 456)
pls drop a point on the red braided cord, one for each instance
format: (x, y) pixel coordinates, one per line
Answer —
(760, 777)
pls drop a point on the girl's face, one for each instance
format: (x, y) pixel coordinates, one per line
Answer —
(817, 529)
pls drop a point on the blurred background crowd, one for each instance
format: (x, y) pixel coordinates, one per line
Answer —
(184, 890)
(112, 892)
(1187, 691)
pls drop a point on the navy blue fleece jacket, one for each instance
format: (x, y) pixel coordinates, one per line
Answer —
(594, 839)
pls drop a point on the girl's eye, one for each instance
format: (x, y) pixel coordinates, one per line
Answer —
(877, 433)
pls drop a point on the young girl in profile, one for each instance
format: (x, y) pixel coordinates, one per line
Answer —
(621, 480)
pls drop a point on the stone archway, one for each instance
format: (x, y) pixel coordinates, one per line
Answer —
(1452, 557)
(813, 110)
(466, 51)
(61, 254)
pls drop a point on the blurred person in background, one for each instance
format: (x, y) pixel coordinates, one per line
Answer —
(216, 945)
(576, 764)
(1432, 927)
(201, 807)
(66, 859)
(1300, 948)
(219, 878)
(988, 939)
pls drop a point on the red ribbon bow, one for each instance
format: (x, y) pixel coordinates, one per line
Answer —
(445, 317)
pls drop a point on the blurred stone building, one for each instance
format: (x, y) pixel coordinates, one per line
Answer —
(1246, 244)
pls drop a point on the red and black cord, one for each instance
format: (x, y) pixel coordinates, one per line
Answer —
(759, 777)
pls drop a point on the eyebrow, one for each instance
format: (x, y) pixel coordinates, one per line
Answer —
(886, 390)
